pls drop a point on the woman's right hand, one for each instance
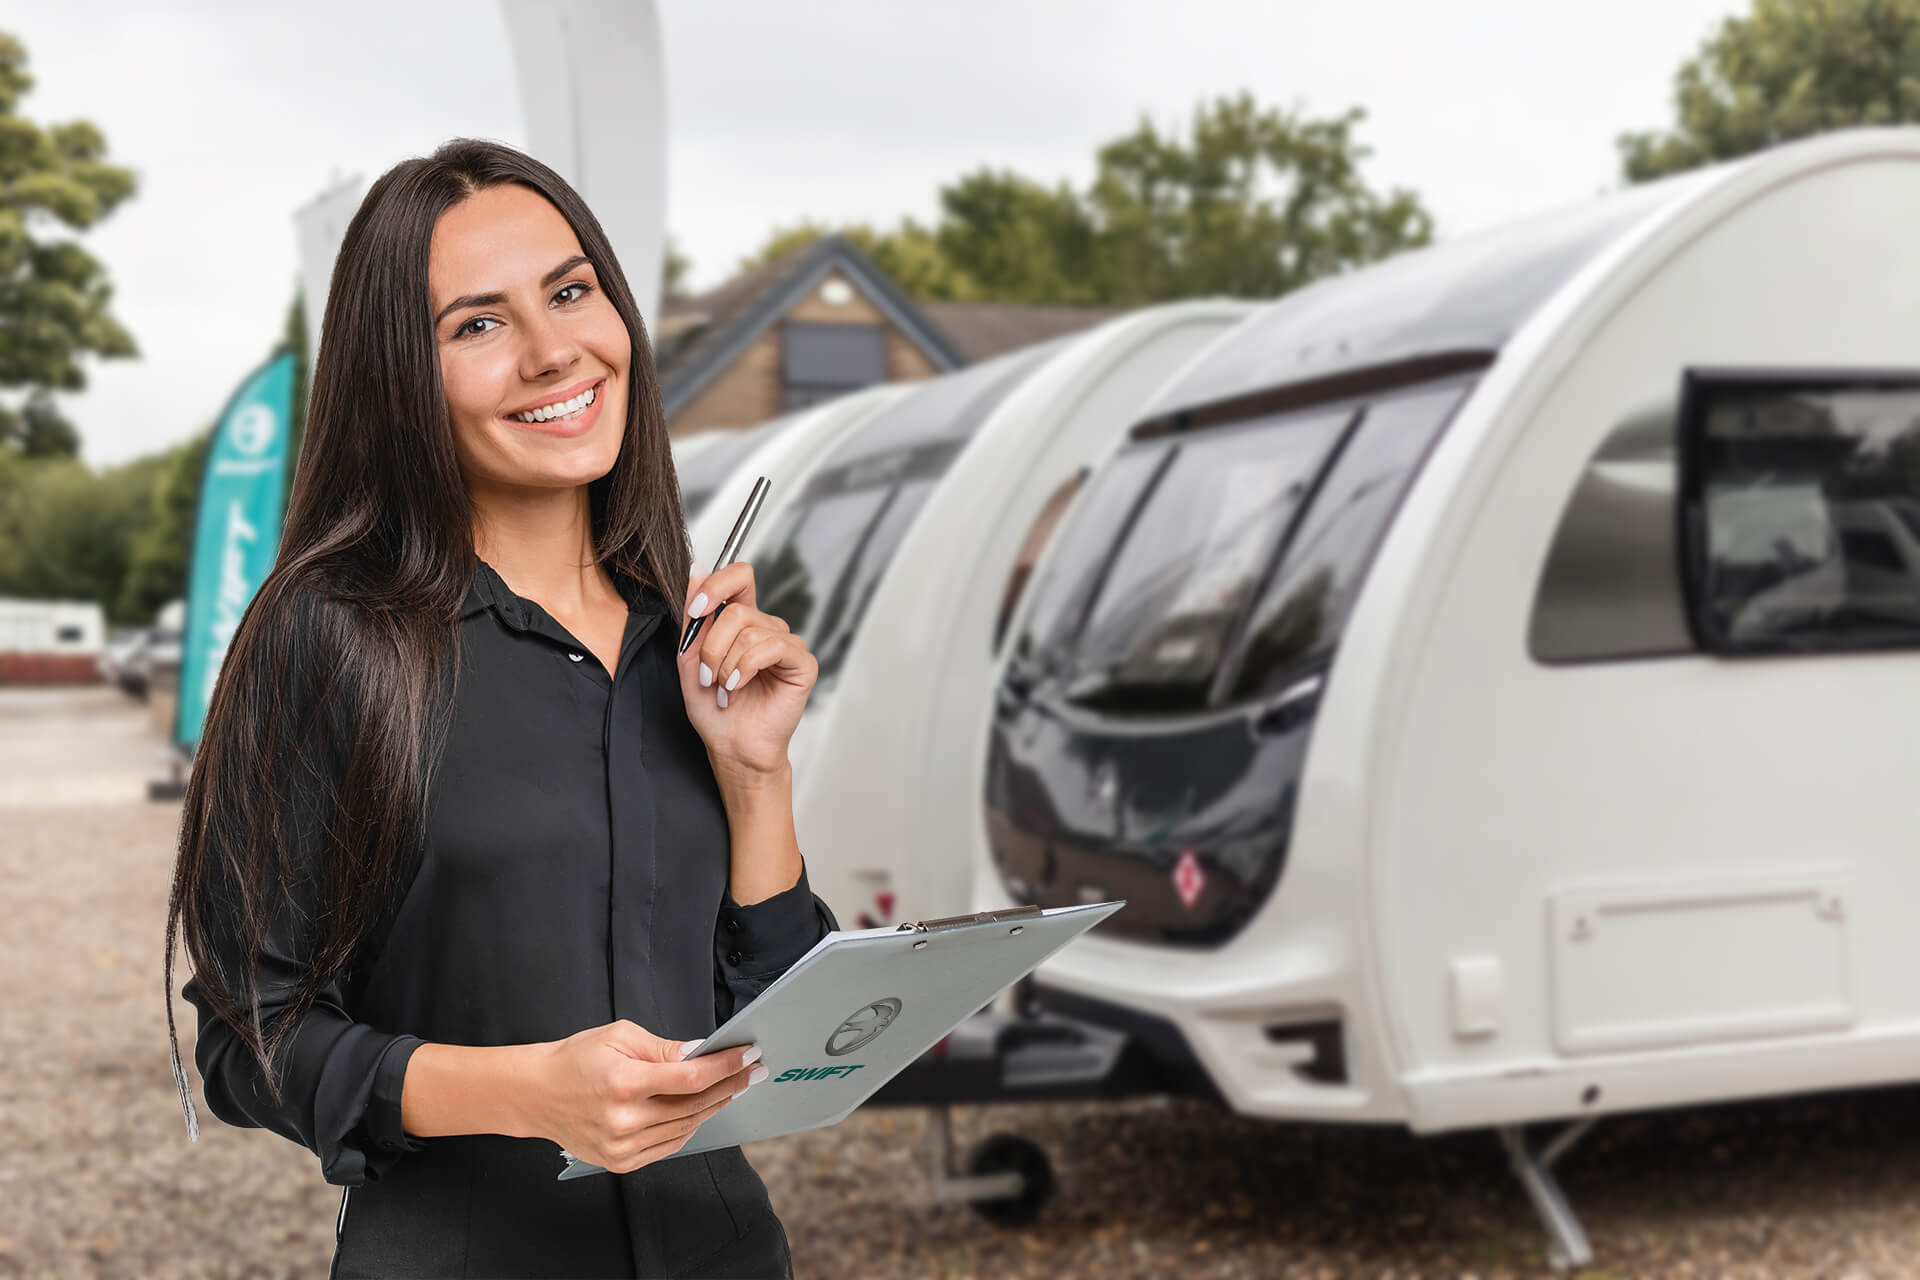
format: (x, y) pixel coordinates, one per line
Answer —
(620, 1097)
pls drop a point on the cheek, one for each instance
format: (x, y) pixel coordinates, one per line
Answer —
(475, 387)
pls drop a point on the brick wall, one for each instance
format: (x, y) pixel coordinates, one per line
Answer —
(49, 668)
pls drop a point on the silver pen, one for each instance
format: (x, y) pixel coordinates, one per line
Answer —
(731, 552)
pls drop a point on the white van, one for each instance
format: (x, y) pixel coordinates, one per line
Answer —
(1490, 679)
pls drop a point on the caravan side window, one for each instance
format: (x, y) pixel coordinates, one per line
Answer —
(1154, 636)
(1802, 511)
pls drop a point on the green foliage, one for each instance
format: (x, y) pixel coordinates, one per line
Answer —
(1252, 202)
(53, 293)
(1788, 69)
(674, 266)
(66, 531)
(295, 338)
(38, 430)
(157, 554)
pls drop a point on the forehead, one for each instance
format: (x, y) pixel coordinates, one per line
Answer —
(497, 239)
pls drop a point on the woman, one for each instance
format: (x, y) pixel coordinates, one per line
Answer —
(468, 852)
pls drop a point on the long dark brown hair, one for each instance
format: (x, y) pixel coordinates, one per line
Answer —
(308, 796)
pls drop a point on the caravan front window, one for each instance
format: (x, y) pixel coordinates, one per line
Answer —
(1153, 638)
(1301, 612)
(813, 545)
(1802, 499)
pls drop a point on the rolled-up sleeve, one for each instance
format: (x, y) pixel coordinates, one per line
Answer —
(339, 1091)
(754, 945)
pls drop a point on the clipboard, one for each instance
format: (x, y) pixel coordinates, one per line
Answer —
(863, 1005)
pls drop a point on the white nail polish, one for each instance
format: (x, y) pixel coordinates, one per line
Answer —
(756, 1076)
(733, 679)
(699, 605)
(687, 1049)
(706, 675)
(723, 696)
(751, 1056)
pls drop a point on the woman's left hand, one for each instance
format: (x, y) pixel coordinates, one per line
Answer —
(758, 676)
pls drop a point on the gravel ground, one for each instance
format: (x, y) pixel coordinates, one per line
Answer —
(97, 1178)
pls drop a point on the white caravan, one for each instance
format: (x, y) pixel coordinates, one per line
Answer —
(1490, 675)
(835, 517)
(921, 660)
(786, 458)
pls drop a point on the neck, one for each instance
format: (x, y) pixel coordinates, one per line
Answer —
(540, 541)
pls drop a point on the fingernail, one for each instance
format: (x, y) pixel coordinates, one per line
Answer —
(687, 1049)
(706, 675)
(723, 696)
(699, 605)
(756, 1076)
(733, 679)
(750, 1057)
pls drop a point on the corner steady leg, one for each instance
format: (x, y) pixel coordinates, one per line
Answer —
(1567, 1245)
(950, 1186)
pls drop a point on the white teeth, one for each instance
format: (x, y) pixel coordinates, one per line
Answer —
(564, 409)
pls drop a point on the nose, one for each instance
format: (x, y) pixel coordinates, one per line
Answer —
(548, 347)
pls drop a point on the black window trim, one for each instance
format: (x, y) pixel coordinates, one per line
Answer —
(1698, 384)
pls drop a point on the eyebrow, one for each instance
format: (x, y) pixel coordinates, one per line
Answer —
(494, 299)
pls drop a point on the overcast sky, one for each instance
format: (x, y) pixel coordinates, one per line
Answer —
(234, 112)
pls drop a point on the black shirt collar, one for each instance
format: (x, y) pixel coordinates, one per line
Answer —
(488, 590)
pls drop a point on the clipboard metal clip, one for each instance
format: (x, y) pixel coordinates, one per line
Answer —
(977, 917)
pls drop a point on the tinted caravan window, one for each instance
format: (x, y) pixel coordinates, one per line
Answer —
(816, 543)
(1301, 612)
(831, 548)
(1069, 576)
(1802, 501)
(1192, 556)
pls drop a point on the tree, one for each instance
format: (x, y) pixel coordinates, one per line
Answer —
(1788, 69)
(674, 266)
(38, 429)
(295, 338)
(53, 293)
(1252, 202)
(65, 531)
(157, 557)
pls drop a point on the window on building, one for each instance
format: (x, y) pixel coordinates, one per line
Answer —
(1801, 500)
(821, 361)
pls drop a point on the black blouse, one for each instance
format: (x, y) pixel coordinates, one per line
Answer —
(575, 873)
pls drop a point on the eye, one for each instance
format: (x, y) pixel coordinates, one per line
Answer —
(583, 287)
(461, 332)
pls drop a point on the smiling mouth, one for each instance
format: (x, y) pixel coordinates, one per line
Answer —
(562, 410)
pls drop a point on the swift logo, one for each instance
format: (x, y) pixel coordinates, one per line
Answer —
(861, 1026)
(815, 1073)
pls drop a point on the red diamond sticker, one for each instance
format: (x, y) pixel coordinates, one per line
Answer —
(1188, 879)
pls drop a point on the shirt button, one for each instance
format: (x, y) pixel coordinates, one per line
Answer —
(577, 656)
(733, 925)
(733, 957)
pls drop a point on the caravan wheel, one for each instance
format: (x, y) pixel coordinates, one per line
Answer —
(1010, 1153)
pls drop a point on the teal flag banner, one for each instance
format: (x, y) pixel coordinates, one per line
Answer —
(237, 532)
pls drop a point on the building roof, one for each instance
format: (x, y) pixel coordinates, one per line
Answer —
(695, 338)
(986, 329)
(698, 337)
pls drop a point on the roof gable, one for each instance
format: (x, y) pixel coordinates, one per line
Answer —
(715, 327)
